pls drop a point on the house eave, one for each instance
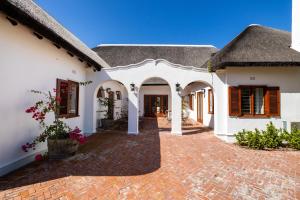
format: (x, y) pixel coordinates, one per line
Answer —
(24, 18)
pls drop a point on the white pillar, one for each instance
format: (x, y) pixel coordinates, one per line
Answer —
(133, 112)
(296, 25)
(176, 112)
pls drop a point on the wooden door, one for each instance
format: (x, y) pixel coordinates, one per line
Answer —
(200, 107)
(155, 105)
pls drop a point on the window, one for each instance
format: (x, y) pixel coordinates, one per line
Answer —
(191, 101)
(100, 93)
(68, 93)
(118, 94)
(254, 101)
(210, 102)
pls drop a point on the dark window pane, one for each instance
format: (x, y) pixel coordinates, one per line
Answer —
(73, 98)
(246, 100)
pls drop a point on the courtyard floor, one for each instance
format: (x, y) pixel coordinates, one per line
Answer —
(157, 165)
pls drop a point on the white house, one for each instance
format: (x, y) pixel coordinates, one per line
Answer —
(253, 80)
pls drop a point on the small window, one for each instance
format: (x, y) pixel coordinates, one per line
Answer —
(191, 101)
(100, 93)
(210, 102)
(118, 94)
(68, 94)
(254, 101)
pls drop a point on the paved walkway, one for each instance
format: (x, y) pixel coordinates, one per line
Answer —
(157, 165)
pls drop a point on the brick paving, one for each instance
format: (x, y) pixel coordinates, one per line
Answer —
(157, 165)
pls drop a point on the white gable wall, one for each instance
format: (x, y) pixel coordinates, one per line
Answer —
(286, 78)
(29, 63)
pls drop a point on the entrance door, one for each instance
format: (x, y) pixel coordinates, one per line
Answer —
(200, 107)
(155, 105)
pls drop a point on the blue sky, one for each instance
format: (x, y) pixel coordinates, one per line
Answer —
(213, 22)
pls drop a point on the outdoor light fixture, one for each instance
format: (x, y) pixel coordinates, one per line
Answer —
(193, 93)
(203, 90)
(177, 87)
(132, 86)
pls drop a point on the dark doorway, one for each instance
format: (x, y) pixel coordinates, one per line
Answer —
(155, 105)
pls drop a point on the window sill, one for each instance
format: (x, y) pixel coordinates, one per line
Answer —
(254, 117)
(68, 116)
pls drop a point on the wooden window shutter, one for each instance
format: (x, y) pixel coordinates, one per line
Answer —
(191, 101)
(273, 101)
(62, 95)
(234, 95)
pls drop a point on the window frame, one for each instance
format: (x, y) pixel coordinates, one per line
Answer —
(69, 82)
(211, 95)
(252, 101)
(266, 97)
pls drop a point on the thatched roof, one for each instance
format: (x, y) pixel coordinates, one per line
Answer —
(188, 55)
(31, 15)
(257, 46)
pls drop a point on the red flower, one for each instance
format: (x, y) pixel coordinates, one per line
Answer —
(38, 157)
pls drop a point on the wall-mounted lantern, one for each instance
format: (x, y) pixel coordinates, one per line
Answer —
(132, 86)
(203, 91)
(177, 87)
(193, 93)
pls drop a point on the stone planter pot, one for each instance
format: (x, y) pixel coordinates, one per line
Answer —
(107, 123)
(61, 148)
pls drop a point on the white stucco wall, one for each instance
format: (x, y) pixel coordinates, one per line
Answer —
(154, 90)
(29, 63)
(286, 78)
(138, 74)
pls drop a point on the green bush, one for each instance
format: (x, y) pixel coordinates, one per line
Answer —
(293, 139)
(241, 138)
(255, 140)
(270, 138)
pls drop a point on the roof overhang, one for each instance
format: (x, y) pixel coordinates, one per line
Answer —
(21, 16)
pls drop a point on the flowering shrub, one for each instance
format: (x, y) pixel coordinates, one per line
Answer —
(38, 157)
(58, 129)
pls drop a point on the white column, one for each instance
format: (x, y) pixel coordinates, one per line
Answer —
(176, 112)
(133, 112)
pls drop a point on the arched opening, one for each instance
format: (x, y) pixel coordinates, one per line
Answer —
(155, 100)
(197, 106)
(111, 106)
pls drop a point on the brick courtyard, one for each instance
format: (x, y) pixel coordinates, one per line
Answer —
(157, 165)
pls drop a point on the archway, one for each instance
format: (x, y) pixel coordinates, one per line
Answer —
(198, 105)
(155, 99)
(111, 106)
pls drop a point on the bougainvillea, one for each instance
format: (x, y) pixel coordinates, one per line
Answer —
(50, 103)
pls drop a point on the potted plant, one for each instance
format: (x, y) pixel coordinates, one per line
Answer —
(108, 104)
(62, 141)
